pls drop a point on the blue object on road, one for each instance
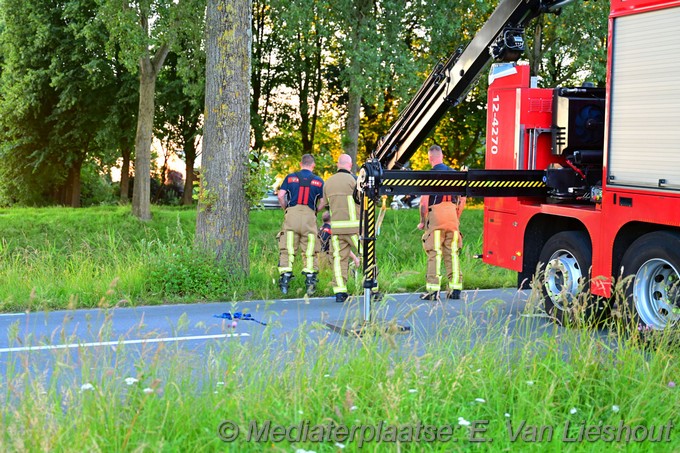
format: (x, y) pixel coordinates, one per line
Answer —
(239, 315)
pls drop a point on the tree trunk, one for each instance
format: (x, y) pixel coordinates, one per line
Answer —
(351, 142)
(223, 215)
(148, 71)
(303, 83)
(69, 193)
(141, 195)
(537, 51)
(190, 159)
(359, 13)
(73, 186)
(125, 176)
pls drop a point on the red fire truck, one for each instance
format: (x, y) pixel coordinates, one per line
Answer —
(582, 184)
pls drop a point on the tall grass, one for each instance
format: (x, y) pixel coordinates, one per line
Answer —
(55, 258)
(487, 371)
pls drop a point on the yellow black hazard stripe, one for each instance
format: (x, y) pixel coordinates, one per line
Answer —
(484, 183)
(460, 183)
(424, 182)
(506, 184)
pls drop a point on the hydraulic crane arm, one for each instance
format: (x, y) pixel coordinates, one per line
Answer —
(500, 39)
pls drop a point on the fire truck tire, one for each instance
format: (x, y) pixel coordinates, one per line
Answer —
(565, 262)
(653, 293)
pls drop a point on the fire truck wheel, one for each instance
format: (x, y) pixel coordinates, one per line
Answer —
(653, 295)
(565, 262)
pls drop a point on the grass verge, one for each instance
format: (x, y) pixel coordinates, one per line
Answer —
(56, 258)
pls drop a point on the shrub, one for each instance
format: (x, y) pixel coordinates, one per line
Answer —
(184, 271)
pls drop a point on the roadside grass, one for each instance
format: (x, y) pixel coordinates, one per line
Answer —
(56, 258)
(520, 382)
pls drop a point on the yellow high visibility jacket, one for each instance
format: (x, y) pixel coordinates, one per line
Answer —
(337, 191)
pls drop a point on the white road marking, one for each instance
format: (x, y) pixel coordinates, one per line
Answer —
(121, 342)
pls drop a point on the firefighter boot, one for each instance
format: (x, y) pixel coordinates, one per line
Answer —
(454, 294)
(434, 295)
(284, 281)
(310, 283)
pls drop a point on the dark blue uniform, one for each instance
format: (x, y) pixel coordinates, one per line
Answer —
(304, 188)
(303, 192)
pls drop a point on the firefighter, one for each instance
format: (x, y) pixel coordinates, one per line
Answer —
(440, 219)
(338, 193)
(301, 196)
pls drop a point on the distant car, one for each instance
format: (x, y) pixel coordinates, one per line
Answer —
(270, 200)
(404, 202)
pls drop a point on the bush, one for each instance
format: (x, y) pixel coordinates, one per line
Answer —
(184, 271)
(96, 188)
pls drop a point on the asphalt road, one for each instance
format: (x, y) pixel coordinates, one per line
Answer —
(39, 340)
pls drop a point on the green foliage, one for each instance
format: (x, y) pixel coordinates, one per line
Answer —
(181, 99)
(27, 99)
(96, 188)
(287, 150)
(56, 97)
(574, 45)
(285, 146)
(259, 178)
(179, 271)
(138, 26)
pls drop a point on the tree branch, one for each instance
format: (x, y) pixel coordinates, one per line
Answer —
(159, 58)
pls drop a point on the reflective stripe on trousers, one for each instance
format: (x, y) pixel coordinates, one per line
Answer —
(437, 253)
(309, 254)
(290, 249)
(308, 242)
(342, 244)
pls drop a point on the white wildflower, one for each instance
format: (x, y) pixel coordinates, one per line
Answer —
(615, 408)
(463, 422)
(573, 410)
(353, 408)
(413, 390)
(86, 386)
(507, 415)
(220, 383)
(480, 400)
(339, 445)
(131, 380)
(530, 382)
